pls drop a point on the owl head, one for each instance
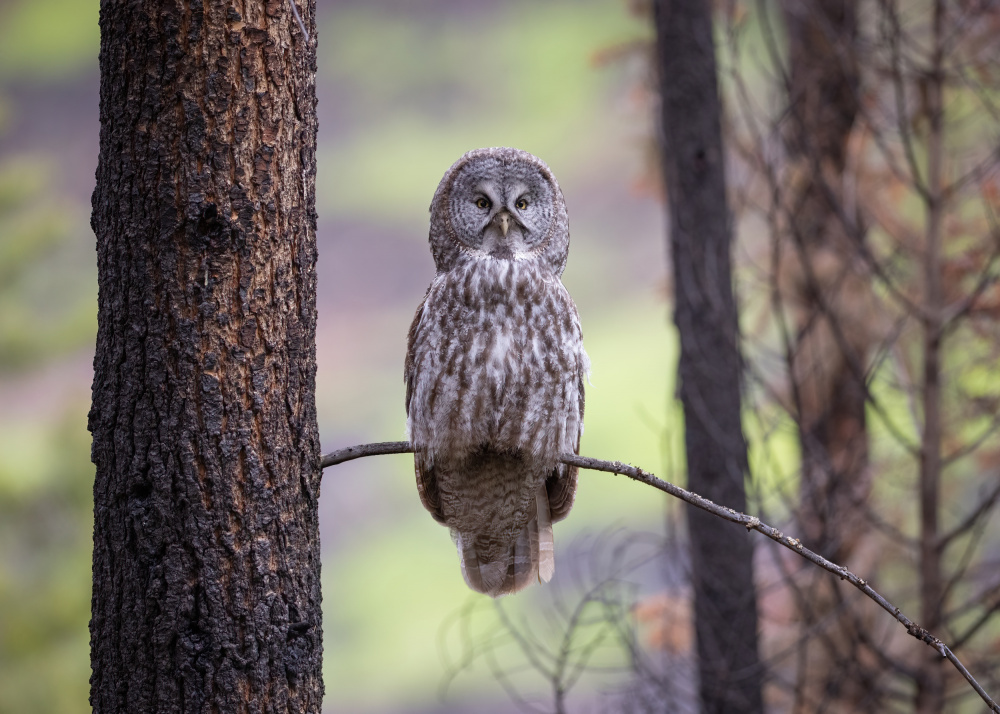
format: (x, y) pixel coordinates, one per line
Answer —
(499, 204)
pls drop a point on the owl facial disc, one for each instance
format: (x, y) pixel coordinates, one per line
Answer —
(499, 204)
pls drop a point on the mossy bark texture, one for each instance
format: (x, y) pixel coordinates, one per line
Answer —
(206, 585)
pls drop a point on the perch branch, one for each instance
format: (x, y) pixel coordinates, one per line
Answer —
(751, 523)
(356, 452)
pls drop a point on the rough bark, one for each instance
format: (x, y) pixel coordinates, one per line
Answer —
(206, 582)
(725, 603)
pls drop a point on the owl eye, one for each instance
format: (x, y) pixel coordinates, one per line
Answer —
(482, 202)
(521, 204)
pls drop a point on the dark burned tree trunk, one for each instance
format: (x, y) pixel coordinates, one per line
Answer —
(725, 602)
(833, 337)
(206, 593)
(835, 328)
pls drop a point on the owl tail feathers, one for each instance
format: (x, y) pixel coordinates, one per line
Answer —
(545, 550)
(531, 557)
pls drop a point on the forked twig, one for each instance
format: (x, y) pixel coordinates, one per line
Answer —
(751, 523)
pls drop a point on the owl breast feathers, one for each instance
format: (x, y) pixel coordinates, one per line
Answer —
(495, 369)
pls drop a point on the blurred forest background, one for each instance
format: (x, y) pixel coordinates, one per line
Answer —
(404, 89)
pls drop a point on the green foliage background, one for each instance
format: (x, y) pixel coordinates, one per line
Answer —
(47, 322)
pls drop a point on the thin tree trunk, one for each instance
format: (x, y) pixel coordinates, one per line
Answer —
(828, 362)
(206, 587)
(834, 668)
(725, 602)
(930, 677)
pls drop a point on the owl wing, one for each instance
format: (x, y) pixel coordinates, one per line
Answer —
(427, 485)
(561, 485)
(410, 364)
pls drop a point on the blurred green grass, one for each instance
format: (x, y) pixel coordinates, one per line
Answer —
(46, 482)
(433, 87)
(47, 277)
(48, 40)
(47, 316)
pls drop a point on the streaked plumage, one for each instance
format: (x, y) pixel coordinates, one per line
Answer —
(495, 368)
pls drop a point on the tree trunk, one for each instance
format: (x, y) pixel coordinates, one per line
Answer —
(828, 363)
(931, 685)
(206, 589)
(725, 602)
(835, 330)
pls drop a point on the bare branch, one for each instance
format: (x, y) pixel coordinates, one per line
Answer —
(356, 452)
(986, 503)
(728, 514)
(978, 623)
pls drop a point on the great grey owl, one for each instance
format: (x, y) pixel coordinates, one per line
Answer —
(495, 369)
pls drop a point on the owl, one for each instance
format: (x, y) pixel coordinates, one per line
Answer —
(495, 368)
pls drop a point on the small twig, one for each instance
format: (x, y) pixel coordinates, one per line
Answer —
(298, 18)
(751, 523)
